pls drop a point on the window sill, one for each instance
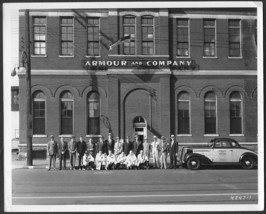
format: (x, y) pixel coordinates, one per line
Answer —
(183, 57)
(210, 57)
(236, 135)
(236, 57)
(184, 135)
(122, 55)
(42, 56)
(93, 135)
(211, 135)
(67, 56)
(65, 135)
(39, 135)
(93, 56)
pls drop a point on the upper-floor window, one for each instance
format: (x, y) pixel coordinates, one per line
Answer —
(235, 113)
(67, 38)
(129, 28)
(234, 31)
(38, 113)
(209, 46)
(14, 98)
(39, 35)
(147, 31)
(182, 37)
(67, 105)
(210, 113)
(93, 36)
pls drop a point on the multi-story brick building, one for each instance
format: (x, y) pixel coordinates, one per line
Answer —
(188, 72)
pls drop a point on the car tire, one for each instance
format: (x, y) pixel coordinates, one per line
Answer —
(193, 163)
(247, 162)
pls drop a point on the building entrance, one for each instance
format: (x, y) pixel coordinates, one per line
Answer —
(140, 127)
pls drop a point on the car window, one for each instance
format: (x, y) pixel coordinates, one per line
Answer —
(234, 144)
(218, 145)
(226, 144)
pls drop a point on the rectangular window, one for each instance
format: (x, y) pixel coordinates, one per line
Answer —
(234, 38)
(38, 117)
(147, 35)
(183, 117)
(209, 46)
(94, 117)
(182, 37)
(235, 117)
(210, 117)
(14, 98)
(93, 36)
(129, 28)
(67, 36)
(39, 35)
(66, 117)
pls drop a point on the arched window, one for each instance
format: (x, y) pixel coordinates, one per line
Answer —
(235, 113)
(38, 113)
(183, 105)
(147, 32)
(129, 28)
(67, 106)
(93, 113)
(210, 113)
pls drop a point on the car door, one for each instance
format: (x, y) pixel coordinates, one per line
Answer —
(222, 152)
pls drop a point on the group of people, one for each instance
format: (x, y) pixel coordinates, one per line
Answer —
(112, 154)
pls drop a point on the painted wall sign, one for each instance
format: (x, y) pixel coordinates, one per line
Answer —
(172, 64)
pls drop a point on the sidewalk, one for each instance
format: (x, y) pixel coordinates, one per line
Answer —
(22, 164)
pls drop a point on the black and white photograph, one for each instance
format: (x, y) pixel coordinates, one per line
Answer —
(133, 106)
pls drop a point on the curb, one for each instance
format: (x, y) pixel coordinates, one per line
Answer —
(30, 167)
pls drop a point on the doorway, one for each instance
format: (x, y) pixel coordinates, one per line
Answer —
(140, 127)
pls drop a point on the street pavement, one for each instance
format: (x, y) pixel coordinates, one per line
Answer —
(154, 186)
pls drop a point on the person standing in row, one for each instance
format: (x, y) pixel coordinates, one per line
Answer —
(72, 147)
(146, 149)
(155, 152)
(137, 145)
(100, 146)
(164, 150)
(62, 151)
(52, 149)
(81, 148)
(127, 146)
(173, 150)
(110, 143)
(91, 147)
(118, 148)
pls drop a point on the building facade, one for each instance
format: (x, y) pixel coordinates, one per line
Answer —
(189, 72)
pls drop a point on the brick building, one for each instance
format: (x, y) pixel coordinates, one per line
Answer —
(189, 72)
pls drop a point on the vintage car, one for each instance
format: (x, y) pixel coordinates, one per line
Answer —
(220, 151)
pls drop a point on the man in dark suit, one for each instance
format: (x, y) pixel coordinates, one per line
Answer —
(110, 143)
(137, 145)
(173, 150)
(127, 146)
(100, 146)
(81, 148)
(52, 149)
(72, 148)
(62, 148)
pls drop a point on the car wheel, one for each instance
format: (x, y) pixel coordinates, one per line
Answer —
(247, 162)
(193, 163)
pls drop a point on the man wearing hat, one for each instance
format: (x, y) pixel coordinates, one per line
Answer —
(72, 147)
(137, 145)
(155, 152)
(164, 151)
(118, 146)
(173, 150)
(52, 150)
